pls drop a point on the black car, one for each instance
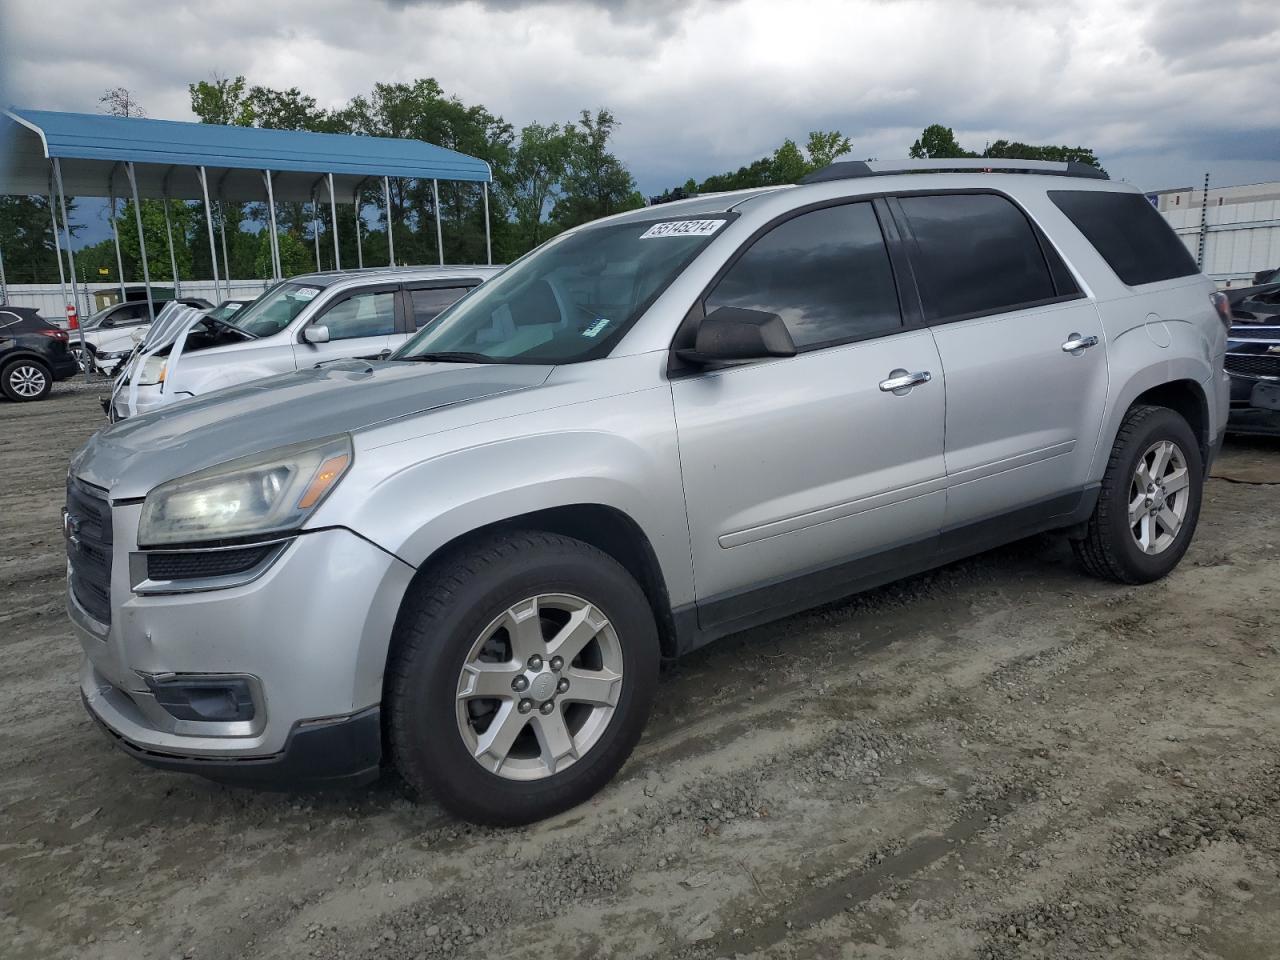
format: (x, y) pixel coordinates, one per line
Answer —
(1253, 357)
(33, 354)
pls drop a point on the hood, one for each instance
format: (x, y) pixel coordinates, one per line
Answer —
(131, 457)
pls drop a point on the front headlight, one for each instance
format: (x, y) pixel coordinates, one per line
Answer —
(268, 493)
(152, 372)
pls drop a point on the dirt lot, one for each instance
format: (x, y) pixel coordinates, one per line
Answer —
(999, 759)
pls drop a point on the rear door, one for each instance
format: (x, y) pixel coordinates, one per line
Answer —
(361, 323)
(1023, 351)
(813, 464)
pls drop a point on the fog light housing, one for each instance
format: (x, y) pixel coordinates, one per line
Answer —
(205, 699)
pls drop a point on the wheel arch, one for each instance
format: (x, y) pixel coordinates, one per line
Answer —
(605, 527)
(26, 355)
(1175, 384)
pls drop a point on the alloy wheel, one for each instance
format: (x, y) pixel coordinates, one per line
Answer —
(539, 686)
(28, 380)
(1159, 494)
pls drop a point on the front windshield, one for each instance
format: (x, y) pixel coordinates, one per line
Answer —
(275, 309)
(91, 321)
(226, 310)
(570, 299)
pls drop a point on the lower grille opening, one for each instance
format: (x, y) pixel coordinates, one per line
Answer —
(206, 563)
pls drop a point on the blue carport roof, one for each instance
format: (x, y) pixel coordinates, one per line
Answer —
(90, 147)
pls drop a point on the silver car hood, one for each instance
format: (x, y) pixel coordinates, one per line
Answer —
(131, 457)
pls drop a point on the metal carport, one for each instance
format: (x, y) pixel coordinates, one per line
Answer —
(89, 155)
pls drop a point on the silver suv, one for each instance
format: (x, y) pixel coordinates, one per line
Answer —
(469, 559)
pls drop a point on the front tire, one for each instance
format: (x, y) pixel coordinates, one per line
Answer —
(521, 676)
(25, 379)
(1149, 503)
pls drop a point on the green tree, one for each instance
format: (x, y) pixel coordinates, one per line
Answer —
(595, 182)
(825, 146)
(533, 182)
(184, 220)
(288, 110)
(788, 163)
(937, 142)
(221, 100)
(26, 239)
(1013, 150)
(295, 258)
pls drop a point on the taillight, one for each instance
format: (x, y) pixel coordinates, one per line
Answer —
(56, 334)
(1223, 306)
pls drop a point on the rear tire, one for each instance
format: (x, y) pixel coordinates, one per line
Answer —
(1149, 503)
(473, 628)
(26, 379)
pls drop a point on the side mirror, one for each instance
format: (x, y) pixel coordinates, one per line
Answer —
(316, 334)
(733, 333)
(108, 323)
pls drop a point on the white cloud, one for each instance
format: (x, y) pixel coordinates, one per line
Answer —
(705, 86)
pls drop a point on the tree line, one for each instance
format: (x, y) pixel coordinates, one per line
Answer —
(546, 178)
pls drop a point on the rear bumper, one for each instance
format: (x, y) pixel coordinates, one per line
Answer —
(65, 367)
(334, 752)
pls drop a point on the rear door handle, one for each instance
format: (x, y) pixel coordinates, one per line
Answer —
(1076, 343)
(900, 381)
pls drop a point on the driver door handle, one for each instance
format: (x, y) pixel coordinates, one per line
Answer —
(1076, 342)
(901, 380)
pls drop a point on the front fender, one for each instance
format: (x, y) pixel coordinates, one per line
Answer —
(414, 496)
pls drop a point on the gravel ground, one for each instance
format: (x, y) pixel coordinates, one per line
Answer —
(999, 759)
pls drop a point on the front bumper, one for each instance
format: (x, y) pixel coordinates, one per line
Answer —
(310, 633)
(337, 751)
(148, 398)
(1255, 406)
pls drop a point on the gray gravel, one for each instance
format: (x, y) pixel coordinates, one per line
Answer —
(999, 759)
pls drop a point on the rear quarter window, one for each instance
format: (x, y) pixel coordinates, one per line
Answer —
(1129, 234)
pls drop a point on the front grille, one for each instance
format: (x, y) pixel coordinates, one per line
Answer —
(205, 563)
(1254, 364)
(88, 528)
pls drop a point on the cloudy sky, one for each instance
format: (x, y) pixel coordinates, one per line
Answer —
(1162, 90)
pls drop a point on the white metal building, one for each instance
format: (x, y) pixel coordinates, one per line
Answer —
(1239, 228)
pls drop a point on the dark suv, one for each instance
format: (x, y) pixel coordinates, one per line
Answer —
(1253, 356)
(33, 354)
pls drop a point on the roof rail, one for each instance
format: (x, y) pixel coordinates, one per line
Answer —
(849, 169)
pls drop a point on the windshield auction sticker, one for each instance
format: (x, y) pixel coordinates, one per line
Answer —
(683, 228)
(304, 293)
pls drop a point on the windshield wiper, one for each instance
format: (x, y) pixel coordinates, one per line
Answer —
(451, 356)
(231, 326)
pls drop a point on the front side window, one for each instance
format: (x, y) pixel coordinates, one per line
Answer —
(275, 309)
(370, 314)
(826, 273)
(132, 315)
(569, 300)
(428, 303)
(976, 254)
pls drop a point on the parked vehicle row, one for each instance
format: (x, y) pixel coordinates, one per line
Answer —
(297, 324)
(467, 554)
(111, 334)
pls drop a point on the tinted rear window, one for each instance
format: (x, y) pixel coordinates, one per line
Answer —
(1130, 235)
(977, 254)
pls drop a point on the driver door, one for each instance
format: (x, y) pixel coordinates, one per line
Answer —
(361, 324)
